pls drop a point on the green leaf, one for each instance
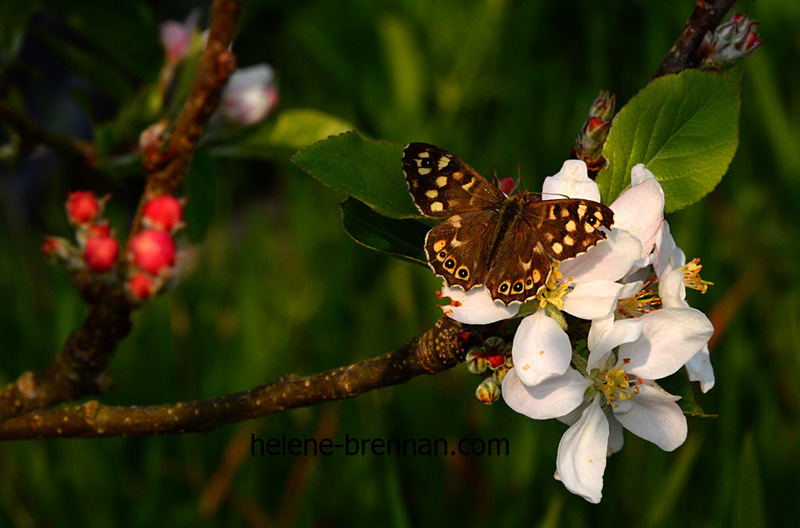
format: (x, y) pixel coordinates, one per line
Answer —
(684, 128)
(403, 239)
(291, 130)
(679, 385)
(366, 169)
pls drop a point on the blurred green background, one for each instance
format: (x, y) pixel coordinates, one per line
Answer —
(271, 284)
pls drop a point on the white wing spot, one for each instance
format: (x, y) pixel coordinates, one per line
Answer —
(557, 248)
(441, 181)
(424, 171)
(571, 226)
(433, 193)
(437, 207)
(425, 154)
(443, 162)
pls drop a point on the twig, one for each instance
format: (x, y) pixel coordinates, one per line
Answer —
(80, 368)
(683, 54)
(440, 348)
(32, 133)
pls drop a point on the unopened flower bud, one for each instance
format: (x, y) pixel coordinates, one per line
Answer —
(249, 96)
(83, 207)
(153, 251)
(476, 361)
(163, 212)
(729, 43)
(56, 249)
(100, 253)
(494, 352)
(141, 287)
(488, 391)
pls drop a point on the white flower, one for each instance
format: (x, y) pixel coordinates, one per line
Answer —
(249, 95)
(618, 389)
(672, 290)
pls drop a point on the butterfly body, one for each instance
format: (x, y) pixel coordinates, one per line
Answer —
(505, 243)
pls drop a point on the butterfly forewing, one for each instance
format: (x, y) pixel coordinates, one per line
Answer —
(442, 185)
(568, 227)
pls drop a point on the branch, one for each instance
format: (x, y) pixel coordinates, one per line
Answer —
(32, 133)
(438, 349)
(683, 54)
(80, 368)
(168, 168)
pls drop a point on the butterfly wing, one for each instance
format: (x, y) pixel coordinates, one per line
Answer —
(568, 227)
(520, 267)
(458, 248)
(443, 185)
(551, 229)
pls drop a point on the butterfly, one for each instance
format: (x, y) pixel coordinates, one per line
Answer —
(504, 243)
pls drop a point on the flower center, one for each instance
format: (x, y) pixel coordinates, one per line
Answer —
(691, 276)
(643, 302)
(553, 290)
(615, 386)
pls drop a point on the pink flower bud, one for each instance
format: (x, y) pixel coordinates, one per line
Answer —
(83, 207)
(249, 96)
(176, 37)
(153, 251)
(163, 212)
(508, 185)
(141, 286)
(100, 253)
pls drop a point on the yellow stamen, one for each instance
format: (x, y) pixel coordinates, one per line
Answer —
(553, 291)
(691, 276)
(615, 386)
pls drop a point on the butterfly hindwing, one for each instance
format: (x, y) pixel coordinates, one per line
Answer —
(458, 248)
(442, 185)
(520, 268)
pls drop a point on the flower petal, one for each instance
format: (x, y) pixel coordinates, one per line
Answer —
(615, 437)
(592, 300)
(654, 416)
(541, 349)
(476, 306)
(666, 252)
(699, 369)
(573, 181)
(581, 458)
(609, 260)
(606, 334)
(640, 209)
(550, 399)
(670, 338)
(672, 289)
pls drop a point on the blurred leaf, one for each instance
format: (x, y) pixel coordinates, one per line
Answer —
(684, 128)
(14, 18)
(292, 130)
(123, 32)
(679, 385)
(366, 169)
(97, 72)
(400, 238)
(404, 62)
